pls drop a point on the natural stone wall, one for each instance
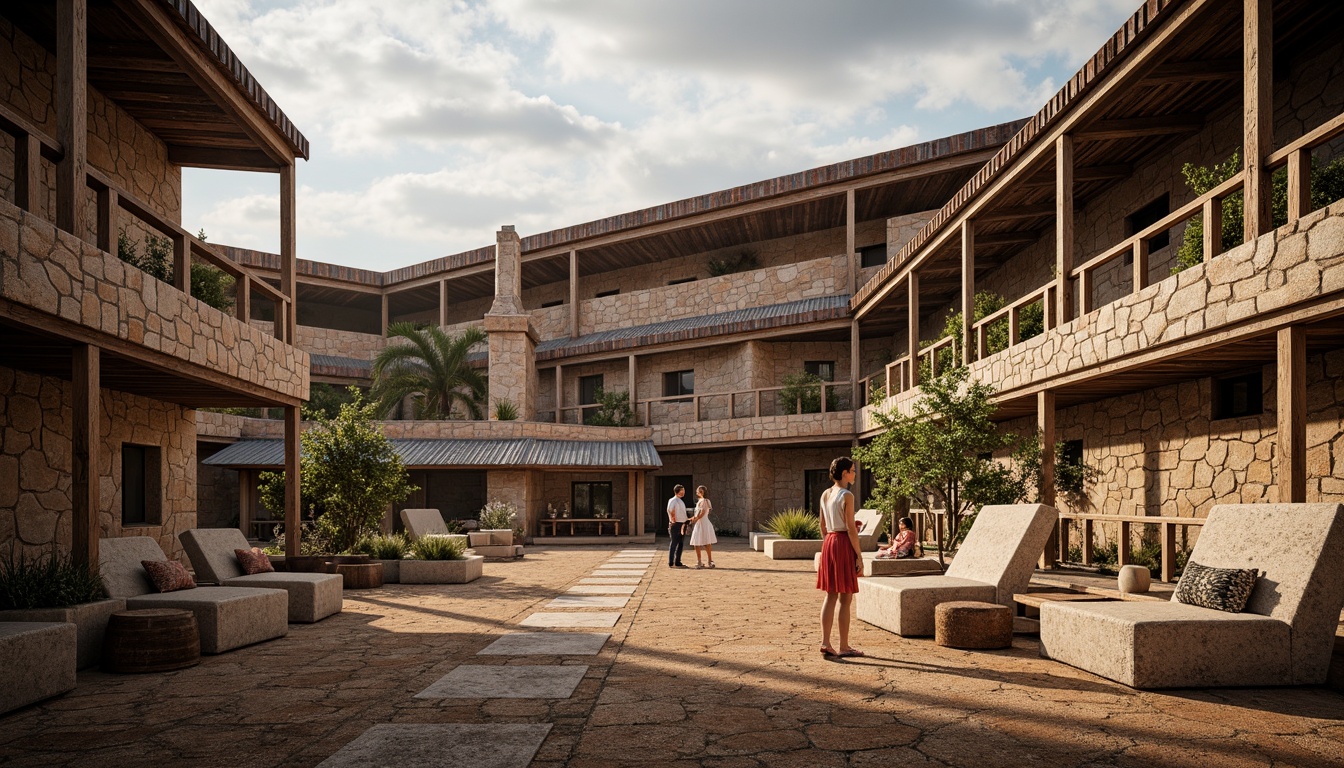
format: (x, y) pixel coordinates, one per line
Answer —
(683, 429)
(557, 489)
(35, 481)
(899, 231)
(57, 274)
(522, 488)
(326, 341)
(120, 147)
(722, 472)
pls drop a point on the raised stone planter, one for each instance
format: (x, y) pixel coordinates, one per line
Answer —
(39, 662)
(495, 551)
(391, 571)
(792, 549)
(757, 539)
(90, 620)
(491, 537)
(442, 571)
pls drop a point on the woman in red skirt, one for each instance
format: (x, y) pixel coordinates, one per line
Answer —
(841, 563)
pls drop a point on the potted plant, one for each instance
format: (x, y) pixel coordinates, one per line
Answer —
(389, 550)
(497, 519)
(440, 560)
(56, 588)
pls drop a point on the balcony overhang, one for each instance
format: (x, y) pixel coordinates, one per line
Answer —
(465, 453)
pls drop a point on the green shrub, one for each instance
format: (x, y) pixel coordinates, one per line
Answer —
(209, 283)
(802, 394)
(498, 515)
(387, 547)
(55, 581)
(613, 410)
(506, 411)
(438, 548)
(794, 524)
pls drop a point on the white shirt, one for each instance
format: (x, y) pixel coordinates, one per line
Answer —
(833, 510)
(676, 508)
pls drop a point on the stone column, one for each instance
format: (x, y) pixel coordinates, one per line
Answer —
(513, 362)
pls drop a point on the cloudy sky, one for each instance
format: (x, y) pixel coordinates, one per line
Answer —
(433, 122)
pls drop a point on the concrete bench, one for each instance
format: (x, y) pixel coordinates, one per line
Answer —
(792, 549)
(39, 661)
(905, 566)
(312, 596)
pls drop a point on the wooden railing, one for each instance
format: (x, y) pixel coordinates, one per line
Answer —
(1167, 536)
(31, 145)
(743, 404)
(1013, 314)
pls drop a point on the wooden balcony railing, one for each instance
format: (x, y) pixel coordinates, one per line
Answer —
(1013, 314)
(1167, 537)
(31, 145)
(832, 396)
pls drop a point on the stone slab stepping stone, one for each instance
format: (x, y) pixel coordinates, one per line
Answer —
(639, 551)
(547, 644)
(478, 681)
(424, 745)
(572, 619)
(622, 574)
(600, 589)
(618, 580)
(623, 567)
(587, 601)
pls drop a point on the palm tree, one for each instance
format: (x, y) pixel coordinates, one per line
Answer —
(432, 366)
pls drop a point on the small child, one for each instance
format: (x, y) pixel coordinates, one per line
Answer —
(903, 545)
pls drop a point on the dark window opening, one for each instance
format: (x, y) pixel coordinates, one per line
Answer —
(612, 292)
(1237, 396)
(681, 281)
(1072, 453)
(556, 303)
(677, 383)
(589, 386)
(1143, 218)
(822, 369)
(589, 500)
(140, 487)
(873, 255)
(815, 482)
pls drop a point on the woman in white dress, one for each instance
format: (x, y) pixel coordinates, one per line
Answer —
(702, 535)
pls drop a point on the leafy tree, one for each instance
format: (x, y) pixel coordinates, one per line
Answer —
(802, 394)
(209, 283)
(349, 475)
(432, 366)
(325, 401)
(613, 410)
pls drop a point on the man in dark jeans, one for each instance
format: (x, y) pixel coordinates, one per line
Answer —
(676, 526)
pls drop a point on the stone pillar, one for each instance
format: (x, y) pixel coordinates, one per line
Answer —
(520, 487)
(513, 362)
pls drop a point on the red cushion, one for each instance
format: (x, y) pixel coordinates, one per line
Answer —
(254, 561)
(168, 575)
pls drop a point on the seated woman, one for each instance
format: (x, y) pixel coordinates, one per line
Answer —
(904, 543)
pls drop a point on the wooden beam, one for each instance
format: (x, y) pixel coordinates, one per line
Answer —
(289, 248)
(181, 262)
(1063, 227)
(443, 302)
(1080, 175)
(1008, 238)
(1140, 264)
(242, 298)
(1292, 415)
(86, 438)
(27, 171)
(107, 220)
(560, 394)
(292, 498)
(1045, 425)
(1194, 71)
(383, 332)
(1139, 127)
(855, 360)
(1022, 212)
(632, 385)
(912, 333)
(849, 243)
(967, 291)
(72, 91)
(221, 158)
(574, 328)
(1257, 102)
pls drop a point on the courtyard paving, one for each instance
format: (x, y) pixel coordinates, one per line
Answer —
(715, 668)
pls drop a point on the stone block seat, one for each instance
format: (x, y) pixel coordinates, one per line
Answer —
(1285, 636)
(973, 625)
(996, 560)
(892, 566)
(227, 617)
(312, 596)
(40, 659)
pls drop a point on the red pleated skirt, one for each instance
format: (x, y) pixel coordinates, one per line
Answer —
(836, 571)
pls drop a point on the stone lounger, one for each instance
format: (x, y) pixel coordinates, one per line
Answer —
(442, 571)
(1284, 637)
(995, 561)
(227, 617)
(312, 596)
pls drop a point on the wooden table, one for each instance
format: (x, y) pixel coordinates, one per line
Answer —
(600, 522)
(1033, 600)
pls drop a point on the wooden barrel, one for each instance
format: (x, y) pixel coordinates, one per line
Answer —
(360, 575)
(151, 640)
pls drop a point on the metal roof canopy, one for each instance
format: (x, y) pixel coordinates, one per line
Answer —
(463, 453)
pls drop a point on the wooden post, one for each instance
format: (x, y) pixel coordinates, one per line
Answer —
(912, 289)
(443, 302)
(72, 90)
(107, 220)
(967, 291)
(246, 512)
(631, 495)
(1123, 548)
(559, 393)
(1140, 278)
(292, 500)
(1213, 228)
(1063, 227)
(632, 385)
(27, 172)
(640, 502)
(242, 298)
(1292, 415)
(278, 326)
(1045, 423)
(181, 263)
(1168, 552)
(289, 251)
(1014, 326)
(86, 439)
(384, 315)
(850, 255)
(1087, 541)
(1299, 184)
(855, 361)
(1257, 103)
(574, 295)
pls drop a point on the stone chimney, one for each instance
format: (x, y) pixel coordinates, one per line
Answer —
(513, 342)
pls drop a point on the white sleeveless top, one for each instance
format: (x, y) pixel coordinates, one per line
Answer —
(833, 510)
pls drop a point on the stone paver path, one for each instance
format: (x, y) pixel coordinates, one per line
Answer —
(713, 668)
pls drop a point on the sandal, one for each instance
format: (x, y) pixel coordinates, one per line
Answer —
(711, 563)
(828, 652)
(850, 654)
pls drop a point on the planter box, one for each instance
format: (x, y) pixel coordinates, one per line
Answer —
(442, 571)
(792, 549)
(757, 539)
(391, 571)
(491, 537)
(90, 620)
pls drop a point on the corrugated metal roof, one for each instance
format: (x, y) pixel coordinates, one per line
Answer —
(335, 365)
(446, 453)
(734, 321)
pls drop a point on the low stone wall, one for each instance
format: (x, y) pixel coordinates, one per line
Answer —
(795, 427)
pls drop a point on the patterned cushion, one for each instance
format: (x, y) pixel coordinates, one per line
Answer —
(168, 575)
(253, 561)
(1223, 589)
